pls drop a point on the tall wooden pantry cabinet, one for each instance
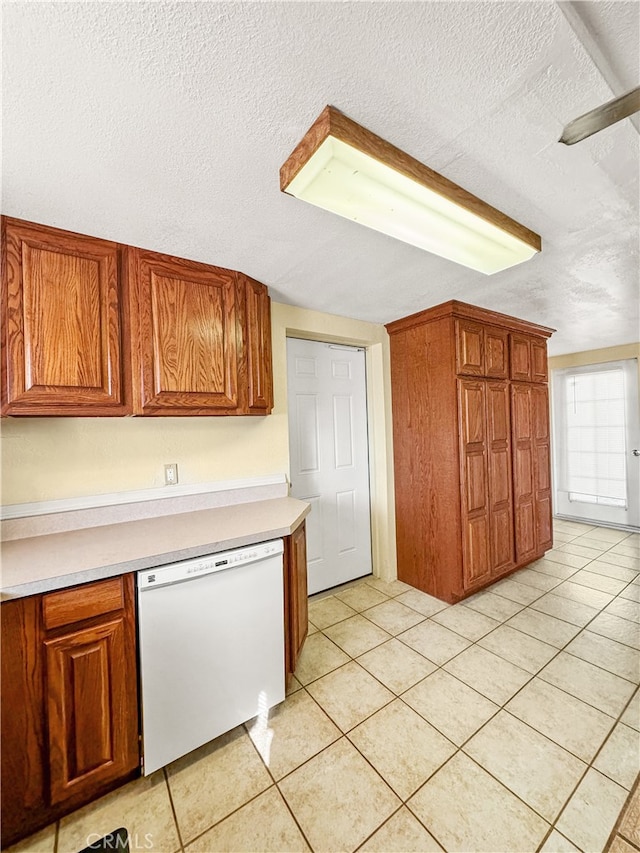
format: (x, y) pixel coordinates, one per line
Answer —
(471, 447)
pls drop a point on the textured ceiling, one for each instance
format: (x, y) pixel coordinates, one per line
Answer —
(164, 125)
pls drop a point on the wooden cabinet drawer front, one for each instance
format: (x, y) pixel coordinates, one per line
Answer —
(82, 602)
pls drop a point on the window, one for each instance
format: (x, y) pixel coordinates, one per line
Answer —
(595, 437)
(595, 431)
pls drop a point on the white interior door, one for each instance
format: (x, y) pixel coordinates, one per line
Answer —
(597, 443)
(329, 458)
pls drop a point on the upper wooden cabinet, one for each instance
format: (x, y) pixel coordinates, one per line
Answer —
(201, 338)
(95, 328)
(481, 350)
(528, 358)
(184, 323)
(63, 312)
(471, 447)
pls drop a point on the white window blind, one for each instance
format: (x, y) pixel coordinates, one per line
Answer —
(596, 437)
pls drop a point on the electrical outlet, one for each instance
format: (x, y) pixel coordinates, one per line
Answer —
(171, 474)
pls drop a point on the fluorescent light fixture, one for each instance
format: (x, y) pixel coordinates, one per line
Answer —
(343, 167)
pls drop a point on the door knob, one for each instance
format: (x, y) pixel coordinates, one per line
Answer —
(636, 452)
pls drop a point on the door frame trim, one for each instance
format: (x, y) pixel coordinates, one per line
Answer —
(290, 321)
(361, 348)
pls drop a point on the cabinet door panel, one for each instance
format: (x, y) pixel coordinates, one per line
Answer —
(539, 370)
(188, 319)
(63, 314)
(186, 329)
(544, 523)
(86, 701)
(476, 557)
(542, 467)
(500, 479)
(258, 346)
(520, 357)
(300, 610)
(474, 468)
(496, 349)
(476, 484)
(470, 348)
(473, 413)
(525, 530)
(502, 538)
(523, 472)
(296, 598)
(524, 490)
(23, 724)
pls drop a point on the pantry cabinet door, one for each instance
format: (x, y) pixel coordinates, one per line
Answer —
(185, 328)
(476, 539)
(63, 304)
(500, 482)
(542, 467)
(523, 471)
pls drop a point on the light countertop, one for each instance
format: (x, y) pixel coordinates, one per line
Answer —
(57, 560)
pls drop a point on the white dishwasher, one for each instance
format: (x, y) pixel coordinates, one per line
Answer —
(211, 642)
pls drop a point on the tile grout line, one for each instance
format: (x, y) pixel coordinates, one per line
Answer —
(275, 781)
(460, 748)
(472, 643)
(616, 831)
(165, 774)
(588, 765)
(384, 823)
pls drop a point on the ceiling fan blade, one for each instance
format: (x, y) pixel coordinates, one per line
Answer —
(601, 117)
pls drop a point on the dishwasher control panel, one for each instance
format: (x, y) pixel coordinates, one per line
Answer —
(224, 560)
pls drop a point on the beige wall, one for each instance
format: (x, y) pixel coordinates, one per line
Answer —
(51, 458)
(595, 356)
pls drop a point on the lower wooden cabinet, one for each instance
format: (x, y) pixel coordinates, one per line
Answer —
(69, 701)
(69, 714)
(296, 619)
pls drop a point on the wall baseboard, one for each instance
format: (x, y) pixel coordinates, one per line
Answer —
(629, 528)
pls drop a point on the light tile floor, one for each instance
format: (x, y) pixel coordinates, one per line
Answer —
(510, 722)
